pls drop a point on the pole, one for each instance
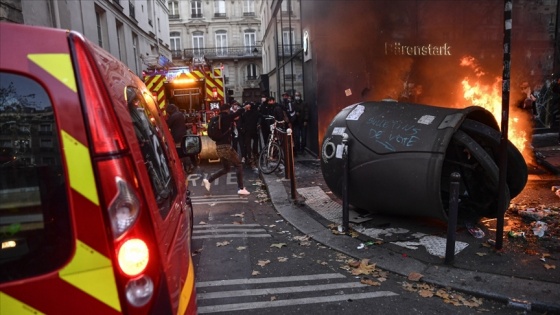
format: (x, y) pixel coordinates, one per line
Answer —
(452, 218)
(290, 164)
(345, 210)
(508, 6)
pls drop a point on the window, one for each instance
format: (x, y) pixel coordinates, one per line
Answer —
(101, 24)
(154, 150)
(120, 40)
(34, 211)
(132, 9)
(251, 71)
(221, 43)
(173, 9)
(175, 44)
(219, 8)
(248, 7)
(198, 43)
(250, 39)
(286, 6)
(196, 9)
(287, 40)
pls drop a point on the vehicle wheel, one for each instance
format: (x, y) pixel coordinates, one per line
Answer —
(270, 158)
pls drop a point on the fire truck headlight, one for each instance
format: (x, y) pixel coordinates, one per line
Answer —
(140, 291)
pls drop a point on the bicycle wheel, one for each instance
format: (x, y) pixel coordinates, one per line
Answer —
(270, 158)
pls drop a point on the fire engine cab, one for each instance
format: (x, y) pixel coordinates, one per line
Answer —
(197, 90)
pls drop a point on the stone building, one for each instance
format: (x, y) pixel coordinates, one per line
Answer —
(135, 31)
(227, 34)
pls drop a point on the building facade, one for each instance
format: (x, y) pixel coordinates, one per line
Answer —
(226, 34)
(135, 31)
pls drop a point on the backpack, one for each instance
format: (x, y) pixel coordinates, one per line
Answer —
(215, 129)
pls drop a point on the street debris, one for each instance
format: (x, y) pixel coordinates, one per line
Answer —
(224, 243)
(474, 230)
(448, 296)
(255, 273)
(240, 248)
(539, 228)
(240, 215)
(279, 245)
(282, 259)
(548, 267)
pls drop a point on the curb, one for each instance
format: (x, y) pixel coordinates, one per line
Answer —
(527, 294)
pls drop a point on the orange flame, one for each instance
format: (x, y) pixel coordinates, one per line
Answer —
(490, 97)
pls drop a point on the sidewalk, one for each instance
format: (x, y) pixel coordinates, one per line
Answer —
(520, 273)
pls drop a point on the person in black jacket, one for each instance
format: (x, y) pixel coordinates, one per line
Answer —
(228, 156)
(249, 121)
(178, 128)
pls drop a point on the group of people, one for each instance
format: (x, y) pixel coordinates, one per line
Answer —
(241, 142)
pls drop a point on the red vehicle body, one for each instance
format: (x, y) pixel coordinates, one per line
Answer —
(95, 214)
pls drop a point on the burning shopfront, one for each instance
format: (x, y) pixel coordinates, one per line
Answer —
(447, 54)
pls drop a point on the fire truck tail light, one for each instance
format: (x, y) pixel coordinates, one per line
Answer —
(108, 139)
(133, 257)
(124, 208)
(140, 291)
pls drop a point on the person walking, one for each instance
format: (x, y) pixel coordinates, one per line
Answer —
(228, 156)
(250, 140)
(299, 125)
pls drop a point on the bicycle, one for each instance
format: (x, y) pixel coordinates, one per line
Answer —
(272, 155)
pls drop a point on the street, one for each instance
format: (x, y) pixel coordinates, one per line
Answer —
(249, 260)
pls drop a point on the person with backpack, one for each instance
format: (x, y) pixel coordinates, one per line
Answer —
(228, 156)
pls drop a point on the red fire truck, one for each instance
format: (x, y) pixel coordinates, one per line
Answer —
(198, 90)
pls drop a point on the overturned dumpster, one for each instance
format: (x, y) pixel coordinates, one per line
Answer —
(401, 157)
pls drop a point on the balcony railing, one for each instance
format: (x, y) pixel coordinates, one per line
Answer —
(196, 15)
(223, 52)
(286, 50)
(174, 16)
(219, 15)
(248, 13)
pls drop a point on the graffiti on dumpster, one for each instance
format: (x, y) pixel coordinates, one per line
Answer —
(391, 133)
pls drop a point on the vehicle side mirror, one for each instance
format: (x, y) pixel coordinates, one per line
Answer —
(191, 145)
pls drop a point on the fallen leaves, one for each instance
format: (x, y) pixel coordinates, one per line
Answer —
(415, 276)
(224, 243)
(427, 291)
(241, 248)
(255, 273)
(548, 267)
(263, 263)
(282, 259)
(279, 245)
(368, 281)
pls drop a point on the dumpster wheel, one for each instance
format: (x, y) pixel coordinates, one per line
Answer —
(517, 172)
(479, 178)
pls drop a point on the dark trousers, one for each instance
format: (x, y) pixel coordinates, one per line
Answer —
(228, 157)
(251, 145)
(300, 133)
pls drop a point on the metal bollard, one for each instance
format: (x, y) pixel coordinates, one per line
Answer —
(452, 217)
(345, 210)
(290, 169)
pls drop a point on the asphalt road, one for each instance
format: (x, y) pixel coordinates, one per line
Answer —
(249, 260)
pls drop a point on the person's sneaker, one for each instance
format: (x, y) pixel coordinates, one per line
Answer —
(242, 160)
(243, 192)
(206, 184)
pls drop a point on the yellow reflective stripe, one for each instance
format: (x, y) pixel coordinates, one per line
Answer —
(9, 305)
(58, 65)
(187, 290)
(92, 273)
(80, 170)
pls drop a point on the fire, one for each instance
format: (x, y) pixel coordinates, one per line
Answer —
(489, 96)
